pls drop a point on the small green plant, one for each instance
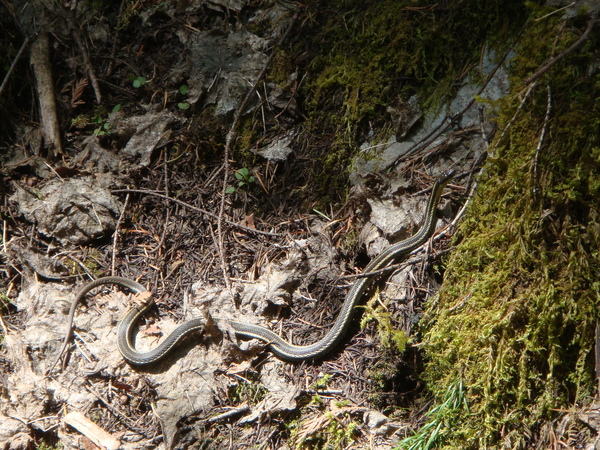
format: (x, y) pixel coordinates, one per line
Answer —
(81, 121)
(243, 178)
(100, 121)
(321, 383)
(183, 90)
(45, 446)
(4, 301)
(102, 126)
(139, 82)
(339, 433)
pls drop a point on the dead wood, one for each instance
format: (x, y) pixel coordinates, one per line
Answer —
(42, 68)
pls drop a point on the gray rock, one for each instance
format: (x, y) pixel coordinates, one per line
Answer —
(223, 66)
(75, 211)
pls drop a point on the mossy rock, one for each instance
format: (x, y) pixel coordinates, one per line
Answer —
(515, 320)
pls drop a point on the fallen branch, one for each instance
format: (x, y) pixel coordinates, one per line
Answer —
(93, 432)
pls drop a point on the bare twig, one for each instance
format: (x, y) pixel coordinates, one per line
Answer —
(541, 143)
(4, 329)
(13, 64)
(116, 237)
(482, 126)
(514, 117)
(113, 52)
(167, 211)
(229, 414)
(556, 11)
(86, 60)
(195, 208)
(542, 70)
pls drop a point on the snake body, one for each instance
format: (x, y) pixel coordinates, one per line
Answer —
(280, 347)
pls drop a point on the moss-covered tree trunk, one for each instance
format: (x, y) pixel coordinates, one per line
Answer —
(516, 318)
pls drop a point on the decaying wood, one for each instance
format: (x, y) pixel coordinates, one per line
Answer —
(93, 432)
(40, 60)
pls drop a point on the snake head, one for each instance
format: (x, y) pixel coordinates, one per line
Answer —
(444, 178)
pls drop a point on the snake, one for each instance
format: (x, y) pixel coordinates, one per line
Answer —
(281, 348)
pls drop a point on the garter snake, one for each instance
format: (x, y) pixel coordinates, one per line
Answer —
(280, 347)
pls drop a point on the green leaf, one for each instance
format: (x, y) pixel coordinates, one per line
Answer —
(183, 89)
(183, 105)
(116, 108)
(324, 216)
(230, 190)
(243, 172)
(139, 82)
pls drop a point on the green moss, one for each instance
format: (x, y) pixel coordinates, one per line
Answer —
(247, 137)
(281, 68)
(247, 392)
(389, 336)
(517, 312)
(355, 58)
(44, 446)
(91, 263)
(374, 53)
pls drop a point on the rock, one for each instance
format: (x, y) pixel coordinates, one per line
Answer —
(277, 150)
(414, 130)
(144, 133)
(76, 211)
(380, 425)
(223, 66)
